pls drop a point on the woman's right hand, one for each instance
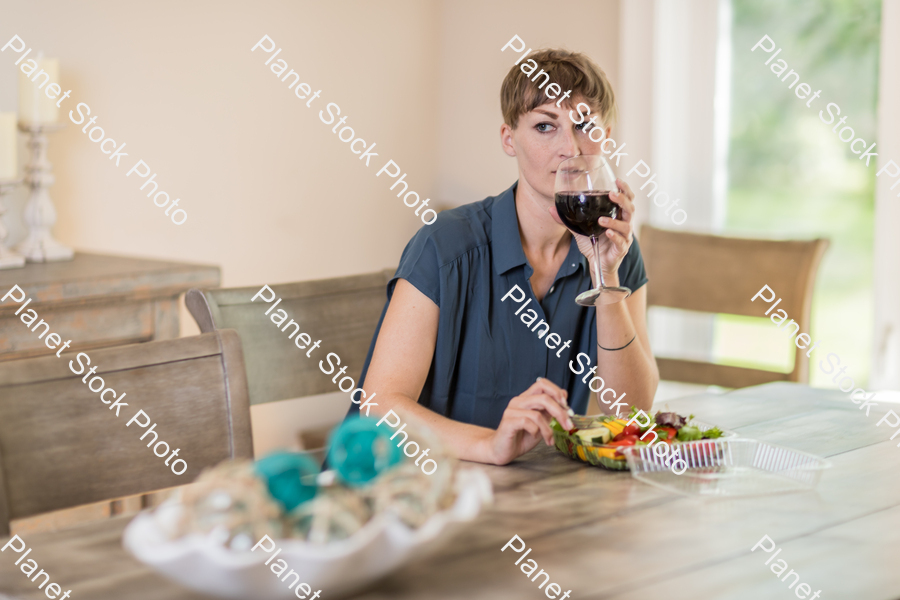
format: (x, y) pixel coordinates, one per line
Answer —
(526, 420)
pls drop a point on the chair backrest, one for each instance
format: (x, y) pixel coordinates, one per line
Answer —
(342, 312)
(709, 273)
(61, 446)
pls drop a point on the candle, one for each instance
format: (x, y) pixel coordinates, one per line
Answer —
(35, 105)
(8, 167)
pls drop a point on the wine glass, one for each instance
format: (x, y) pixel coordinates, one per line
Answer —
(583, 185)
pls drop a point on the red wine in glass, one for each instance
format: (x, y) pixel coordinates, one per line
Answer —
(581, 193)
(581, 211)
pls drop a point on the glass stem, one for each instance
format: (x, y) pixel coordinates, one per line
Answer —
(598, 272)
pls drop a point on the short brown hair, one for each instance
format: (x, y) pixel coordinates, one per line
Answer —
(570, 70)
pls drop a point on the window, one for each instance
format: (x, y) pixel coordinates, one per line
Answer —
(790, 176)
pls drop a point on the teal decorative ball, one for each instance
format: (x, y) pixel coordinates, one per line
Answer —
(359, 451)
(289, 476)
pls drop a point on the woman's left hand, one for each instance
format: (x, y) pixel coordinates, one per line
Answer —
(617, 238)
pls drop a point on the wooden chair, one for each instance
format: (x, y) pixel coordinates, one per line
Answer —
(343, 312)
(716, 274)
(61, 447)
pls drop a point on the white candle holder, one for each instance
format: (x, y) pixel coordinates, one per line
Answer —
(40, 214)
(8, 258)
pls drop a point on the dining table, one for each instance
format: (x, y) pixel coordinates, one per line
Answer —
(603, 534)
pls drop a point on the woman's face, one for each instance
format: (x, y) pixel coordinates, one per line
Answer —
(547, 136)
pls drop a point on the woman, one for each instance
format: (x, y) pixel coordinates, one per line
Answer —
(451, 353)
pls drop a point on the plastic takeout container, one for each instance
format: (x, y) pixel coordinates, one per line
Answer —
(729, 467)
(604, 455)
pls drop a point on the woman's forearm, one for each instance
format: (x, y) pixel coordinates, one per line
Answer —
(467, 442)
(631, 370)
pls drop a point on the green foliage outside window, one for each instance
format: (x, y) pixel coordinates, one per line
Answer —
(791, 177)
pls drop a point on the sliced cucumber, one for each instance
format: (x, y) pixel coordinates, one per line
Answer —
(597, 435)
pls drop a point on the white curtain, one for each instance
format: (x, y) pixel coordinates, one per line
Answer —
(675, 82)
(885, 371)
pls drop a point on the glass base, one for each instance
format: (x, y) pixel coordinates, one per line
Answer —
(603, 295)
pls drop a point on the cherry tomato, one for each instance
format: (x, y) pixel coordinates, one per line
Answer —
(670, 431)
(628, 440)
(632, 429)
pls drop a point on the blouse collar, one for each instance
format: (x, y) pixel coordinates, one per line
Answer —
(507, 243)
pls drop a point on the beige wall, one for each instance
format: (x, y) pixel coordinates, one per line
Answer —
(271, 194)
(635, 91)
(471, 163)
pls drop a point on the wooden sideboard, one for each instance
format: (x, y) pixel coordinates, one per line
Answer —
(98, 300)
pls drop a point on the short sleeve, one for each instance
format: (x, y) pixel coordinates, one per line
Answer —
(420, 266)
(631, 272)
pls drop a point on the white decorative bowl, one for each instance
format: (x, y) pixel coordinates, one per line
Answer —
(381, 546)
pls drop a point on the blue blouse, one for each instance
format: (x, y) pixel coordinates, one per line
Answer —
(486, 354)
